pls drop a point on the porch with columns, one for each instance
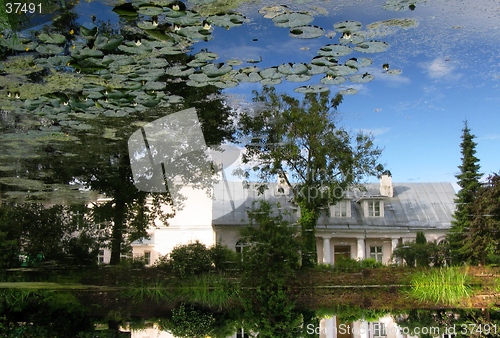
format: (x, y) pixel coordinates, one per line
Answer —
(359, 247)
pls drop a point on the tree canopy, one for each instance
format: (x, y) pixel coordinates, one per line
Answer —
(468, 180)
(301, 142)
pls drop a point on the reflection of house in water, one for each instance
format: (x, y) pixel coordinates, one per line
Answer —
(331, 327)
(363, 224)
(384, 327)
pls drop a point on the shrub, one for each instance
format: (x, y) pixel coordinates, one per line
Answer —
(370, 263)
(191, 259)
(223, 258)
(343, 263)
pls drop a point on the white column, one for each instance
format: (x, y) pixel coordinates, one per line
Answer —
(361, 248)
(327, 255)
(394, 244)
(328, 327)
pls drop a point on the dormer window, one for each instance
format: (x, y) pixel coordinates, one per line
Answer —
(341, 209)
(374, 208)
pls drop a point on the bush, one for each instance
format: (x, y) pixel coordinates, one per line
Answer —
(191, 259)
(369, 263)
(223, 258)
(343, 263)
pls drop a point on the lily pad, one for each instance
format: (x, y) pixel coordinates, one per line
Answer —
(184, 18)
(215, 70)
(333, 80)
(54, 38)
(372, 47)
(334, 50)
(49, 49)
(270, 82)
(271, 73)
(180, 71)
(88, 33)
(324, 61)
(312, 89)
(270, 12)
(316, 69)
(228, 20)
(206, 56)
(294, 19)
(18, 44)
(361, 78)
(195, 33)
(298, 77)
(342, 70)
(150, 10)
(293, 68)
(147, 25)
(348, 91)
(347, 26)
(307, 32)
(394, 72)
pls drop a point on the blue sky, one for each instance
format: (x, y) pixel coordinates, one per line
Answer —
(451, 72)
(450, 62)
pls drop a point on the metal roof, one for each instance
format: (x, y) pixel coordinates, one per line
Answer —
(416, 205)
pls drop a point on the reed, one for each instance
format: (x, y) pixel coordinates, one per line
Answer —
(444, 285)
(208, 290)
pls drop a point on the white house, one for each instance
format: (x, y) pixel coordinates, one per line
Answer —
(367, 222)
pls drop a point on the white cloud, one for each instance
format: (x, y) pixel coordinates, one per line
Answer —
(374, 132)
(441, 68)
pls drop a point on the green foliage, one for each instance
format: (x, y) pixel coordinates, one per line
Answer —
(422, 253)
(468, 180)
(273, 254)
(190, 259)
(482, 240)
(447, 286)
(191, 321)
(282, 129)
(46, 233)
(224, 258)
(349, 264)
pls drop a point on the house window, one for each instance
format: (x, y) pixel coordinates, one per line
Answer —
(240, 248)
(374, 209)
(100, 257)
(341, 209)
(147, 257)
(241, 334)
(376, 253)
(379, 330)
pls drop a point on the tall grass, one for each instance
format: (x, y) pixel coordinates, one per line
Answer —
(208, 290)
(444, 285)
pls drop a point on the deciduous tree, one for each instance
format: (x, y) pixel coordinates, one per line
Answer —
(302, 142)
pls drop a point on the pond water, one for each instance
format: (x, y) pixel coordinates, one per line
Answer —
(78, 78)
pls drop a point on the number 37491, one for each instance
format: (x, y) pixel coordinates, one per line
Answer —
(23, 7)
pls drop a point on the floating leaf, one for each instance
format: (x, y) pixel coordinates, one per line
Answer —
(271, 73)
(394, 72)
(348, 91)
(331, 79)
(334, 50)
(150, 10)
(179, 71)
(323, 61)
(18, 44)
(270, 82)
(54, 38)
(126, 10)
(312, 89)
(298, 77)
(361, 78)
(307, 32)
(206, 56)
(372, 47)
(147, 25)
(343, 70)
(270, 12)
(347, 26)
(214, 70)
(195, 33)
(184, 18)
(49, 49)
(293, 19)
(88, 33)
(293, 68)
(227, 20)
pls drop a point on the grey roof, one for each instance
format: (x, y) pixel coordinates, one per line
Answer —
(416, 205)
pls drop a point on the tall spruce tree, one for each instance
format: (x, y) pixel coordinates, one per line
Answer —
(468, 180)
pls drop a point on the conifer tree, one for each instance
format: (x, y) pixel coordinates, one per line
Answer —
(468, 180)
